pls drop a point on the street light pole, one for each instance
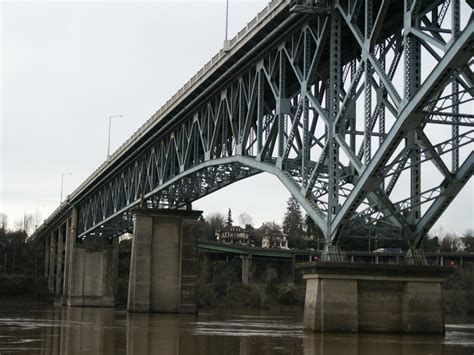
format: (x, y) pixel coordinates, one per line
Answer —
(110, 128)
(62, 184)
(226, 19)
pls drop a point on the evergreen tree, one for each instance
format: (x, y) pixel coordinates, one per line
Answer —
(293, 224)
(310, 227)
(229, 218)
(314, 233)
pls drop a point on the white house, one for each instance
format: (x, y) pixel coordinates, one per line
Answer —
(233, 235)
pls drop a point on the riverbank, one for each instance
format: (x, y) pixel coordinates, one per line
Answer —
(221, 289)
(23, 288)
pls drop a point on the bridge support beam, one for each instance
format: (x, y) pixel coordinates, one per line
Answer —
(345, 297)
(163, 266)
(93, 274)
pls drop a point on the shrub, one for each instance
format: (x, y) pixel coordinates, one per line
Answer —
(287, 295)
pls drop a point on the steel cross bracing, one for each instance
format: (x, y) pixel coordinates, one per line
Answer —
(347, 109)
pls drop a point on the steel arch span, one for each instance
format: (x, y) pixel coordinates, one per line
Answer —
(362, 109)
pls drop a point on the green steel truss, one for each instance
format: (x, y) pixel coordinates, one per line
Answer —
(362, 109)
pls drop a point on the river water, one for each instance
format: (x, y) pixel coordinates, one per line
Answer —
(105, 331)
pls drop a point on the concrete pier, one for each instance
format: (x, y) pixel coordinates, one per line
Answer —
(246, 264)
(93, 274)
(60, 256)
(163, 267)
(342, 297)
(52, 261)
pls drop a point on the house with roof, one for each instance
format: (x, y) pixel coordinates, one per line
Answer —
(233, 235)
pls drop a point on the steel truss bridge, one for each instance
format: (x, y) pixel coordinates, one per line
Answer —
(363, 109)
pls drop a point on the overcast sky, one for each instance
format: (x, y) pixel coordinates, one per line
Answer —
(67, 66)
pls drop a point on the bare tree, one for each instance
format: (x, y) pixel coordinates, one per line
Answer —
(3, 222)
(450, 243)
(245, 219)
(468, 240)
(215, 222)
(26, 224)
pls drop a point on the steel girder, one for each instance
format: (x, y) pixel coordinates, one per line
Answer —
(322, 110)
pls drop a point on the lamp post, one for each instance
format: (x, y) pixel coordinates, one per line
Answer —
(110, 128)
(62, 184)
(226, 19)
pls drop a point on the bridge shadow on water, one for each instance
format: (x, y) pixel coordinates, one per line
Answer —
(104, 331)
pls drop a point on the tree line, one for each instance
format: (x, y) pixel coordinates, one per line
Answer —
(303, 233)
(16, 256)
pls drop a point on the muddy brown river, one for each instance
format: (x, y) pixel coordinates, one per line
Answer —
(105, 331)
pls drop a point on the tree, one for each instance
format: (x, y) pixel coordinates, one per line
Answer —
(245, 219)
(215, 223)
(293, 224)
(3, 222)
(313, 232)
(26, 224)
(229, 218)
(450, 242)
(468, 240)
(430, 244)
(269, 229)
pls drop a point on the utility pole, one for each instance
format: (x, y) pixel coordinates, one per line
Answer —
(226, 20)
(110, 128)
(226, 39)
(62, 184)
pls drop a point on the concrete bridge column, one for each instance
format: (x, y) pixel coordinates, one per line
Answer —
(93, 273)
(60, 261)
(52, 261)
(69, 242)
(47, 248)
(163, 266)
(246, 264)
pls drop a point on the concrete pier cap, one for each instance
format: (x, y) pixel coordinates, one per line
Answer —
(348, 297)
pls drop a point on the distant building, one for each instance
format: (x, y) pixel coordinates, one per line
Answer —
(272, 241)
(233, 235)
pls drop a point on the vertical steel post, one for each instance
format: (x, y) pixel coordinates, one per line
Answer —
(368, 86)
(412, 83)
(381, 105)
(455, 28)
(260, 106)
(282, 97)
(306, 140)
(352, 110)
(334, 99)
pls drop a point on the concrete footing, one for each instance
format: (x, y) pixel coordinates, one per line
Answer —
(93, 275)
(163, 267)
(344, 297)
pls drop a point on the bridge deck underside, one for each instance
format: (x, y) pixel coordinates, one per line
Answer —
(348, 109)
